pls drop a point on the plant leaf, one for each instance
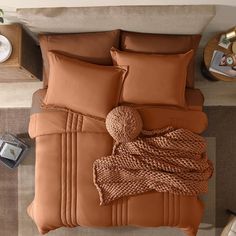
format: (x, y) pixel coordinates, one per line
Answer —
(1, 16)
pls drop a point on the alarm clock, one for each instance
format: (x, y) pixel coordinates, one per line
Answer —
(5, 48)
(230, 60)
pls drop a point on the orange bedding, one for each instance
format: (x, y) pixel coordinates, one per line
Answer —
(68, 143)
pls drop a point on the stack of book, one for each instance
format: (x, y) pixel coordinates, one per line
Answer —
(218, 65)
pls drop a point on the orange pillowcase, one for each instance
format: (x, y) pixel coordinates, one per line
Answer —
(90, 47)
(162, 44)
(153, 78)
(83, 87)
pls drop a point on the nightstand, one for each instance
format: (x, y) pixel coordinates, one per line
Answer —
(25, 62)
(208, 53)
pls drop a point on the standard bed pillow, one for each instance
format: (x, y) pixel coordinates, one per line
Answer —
(90, 47)
(162, 44)
(83, 87)
(153, 78)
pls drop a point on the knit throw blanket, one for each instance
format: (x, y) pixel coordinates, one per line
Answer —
(168, 160)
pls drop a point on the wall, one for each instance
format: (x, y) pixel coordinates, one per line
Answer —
(76, 3)
(224, 19)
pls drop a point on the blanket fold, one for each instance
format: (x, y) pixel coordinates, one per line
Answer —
(167, 160)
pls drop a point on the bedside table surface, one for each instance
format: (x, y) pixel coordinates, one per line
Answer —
(211, 46)
(12, 32)
(25, 62)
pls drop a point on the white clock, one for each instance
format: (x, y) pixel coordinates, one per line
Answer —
(5, 48)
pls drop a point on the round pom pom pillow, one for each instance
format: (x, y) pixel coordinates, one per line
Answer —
(124, 124)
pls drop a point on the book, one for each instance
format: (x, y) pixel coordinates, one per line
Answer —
(224, 42)
(218, 65)
(10, 151)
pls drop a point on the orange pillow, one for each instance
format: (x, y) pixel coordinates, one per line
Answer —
(162, 44)
(83, 87)
(90, 47)
(153, 78)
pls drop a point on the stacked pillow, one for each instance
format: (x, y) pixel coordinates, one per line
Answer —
(80, 75)
(162, 44)
(154, 78)
(90, 47)
(83, 87)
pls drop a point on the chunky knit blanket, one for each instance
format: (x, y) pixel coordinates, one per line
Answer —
(168, 160)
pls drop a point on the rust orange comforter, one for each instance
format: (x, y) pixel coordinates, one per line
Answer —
(67, 144)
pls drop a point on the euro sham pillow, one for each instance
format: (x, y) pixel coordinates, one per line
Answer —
(90, 47)
(83, 87)
(163, 44)
(153, 78)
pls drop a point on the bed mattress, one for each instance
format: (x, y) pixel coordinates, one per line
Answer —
(68, 143)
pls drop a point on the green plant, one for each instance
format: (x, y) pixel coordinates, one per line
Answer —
(1, 16)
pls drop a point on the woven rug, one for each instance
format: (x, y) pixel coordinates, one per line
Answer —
(26, 227)
(17, 187)
(14, 121)
(222, 126)
(8, 202)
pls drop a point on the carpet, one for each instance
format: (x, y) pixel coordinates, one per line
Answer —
(14, 120)
(8, 202)
(17, 187)
(26, 193)
(222, 126)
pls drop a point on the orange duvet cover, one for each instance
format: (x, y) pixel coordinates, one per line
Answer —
(68, 143)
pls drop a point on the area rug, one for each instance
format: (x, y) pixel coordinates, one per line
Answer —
(26, 227)
(8, 202)
(14, 120)
(17, 187)
(222, 126)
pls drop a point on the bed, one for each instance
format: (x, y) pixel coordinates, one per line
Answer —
(68, 122)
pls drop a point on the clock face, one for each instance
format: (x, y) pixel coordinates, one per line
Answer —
(5, 48)
(230, 60)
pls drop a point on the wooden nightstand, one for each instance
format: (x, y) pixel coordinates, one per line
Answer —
(208, 53)
(25, 62)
